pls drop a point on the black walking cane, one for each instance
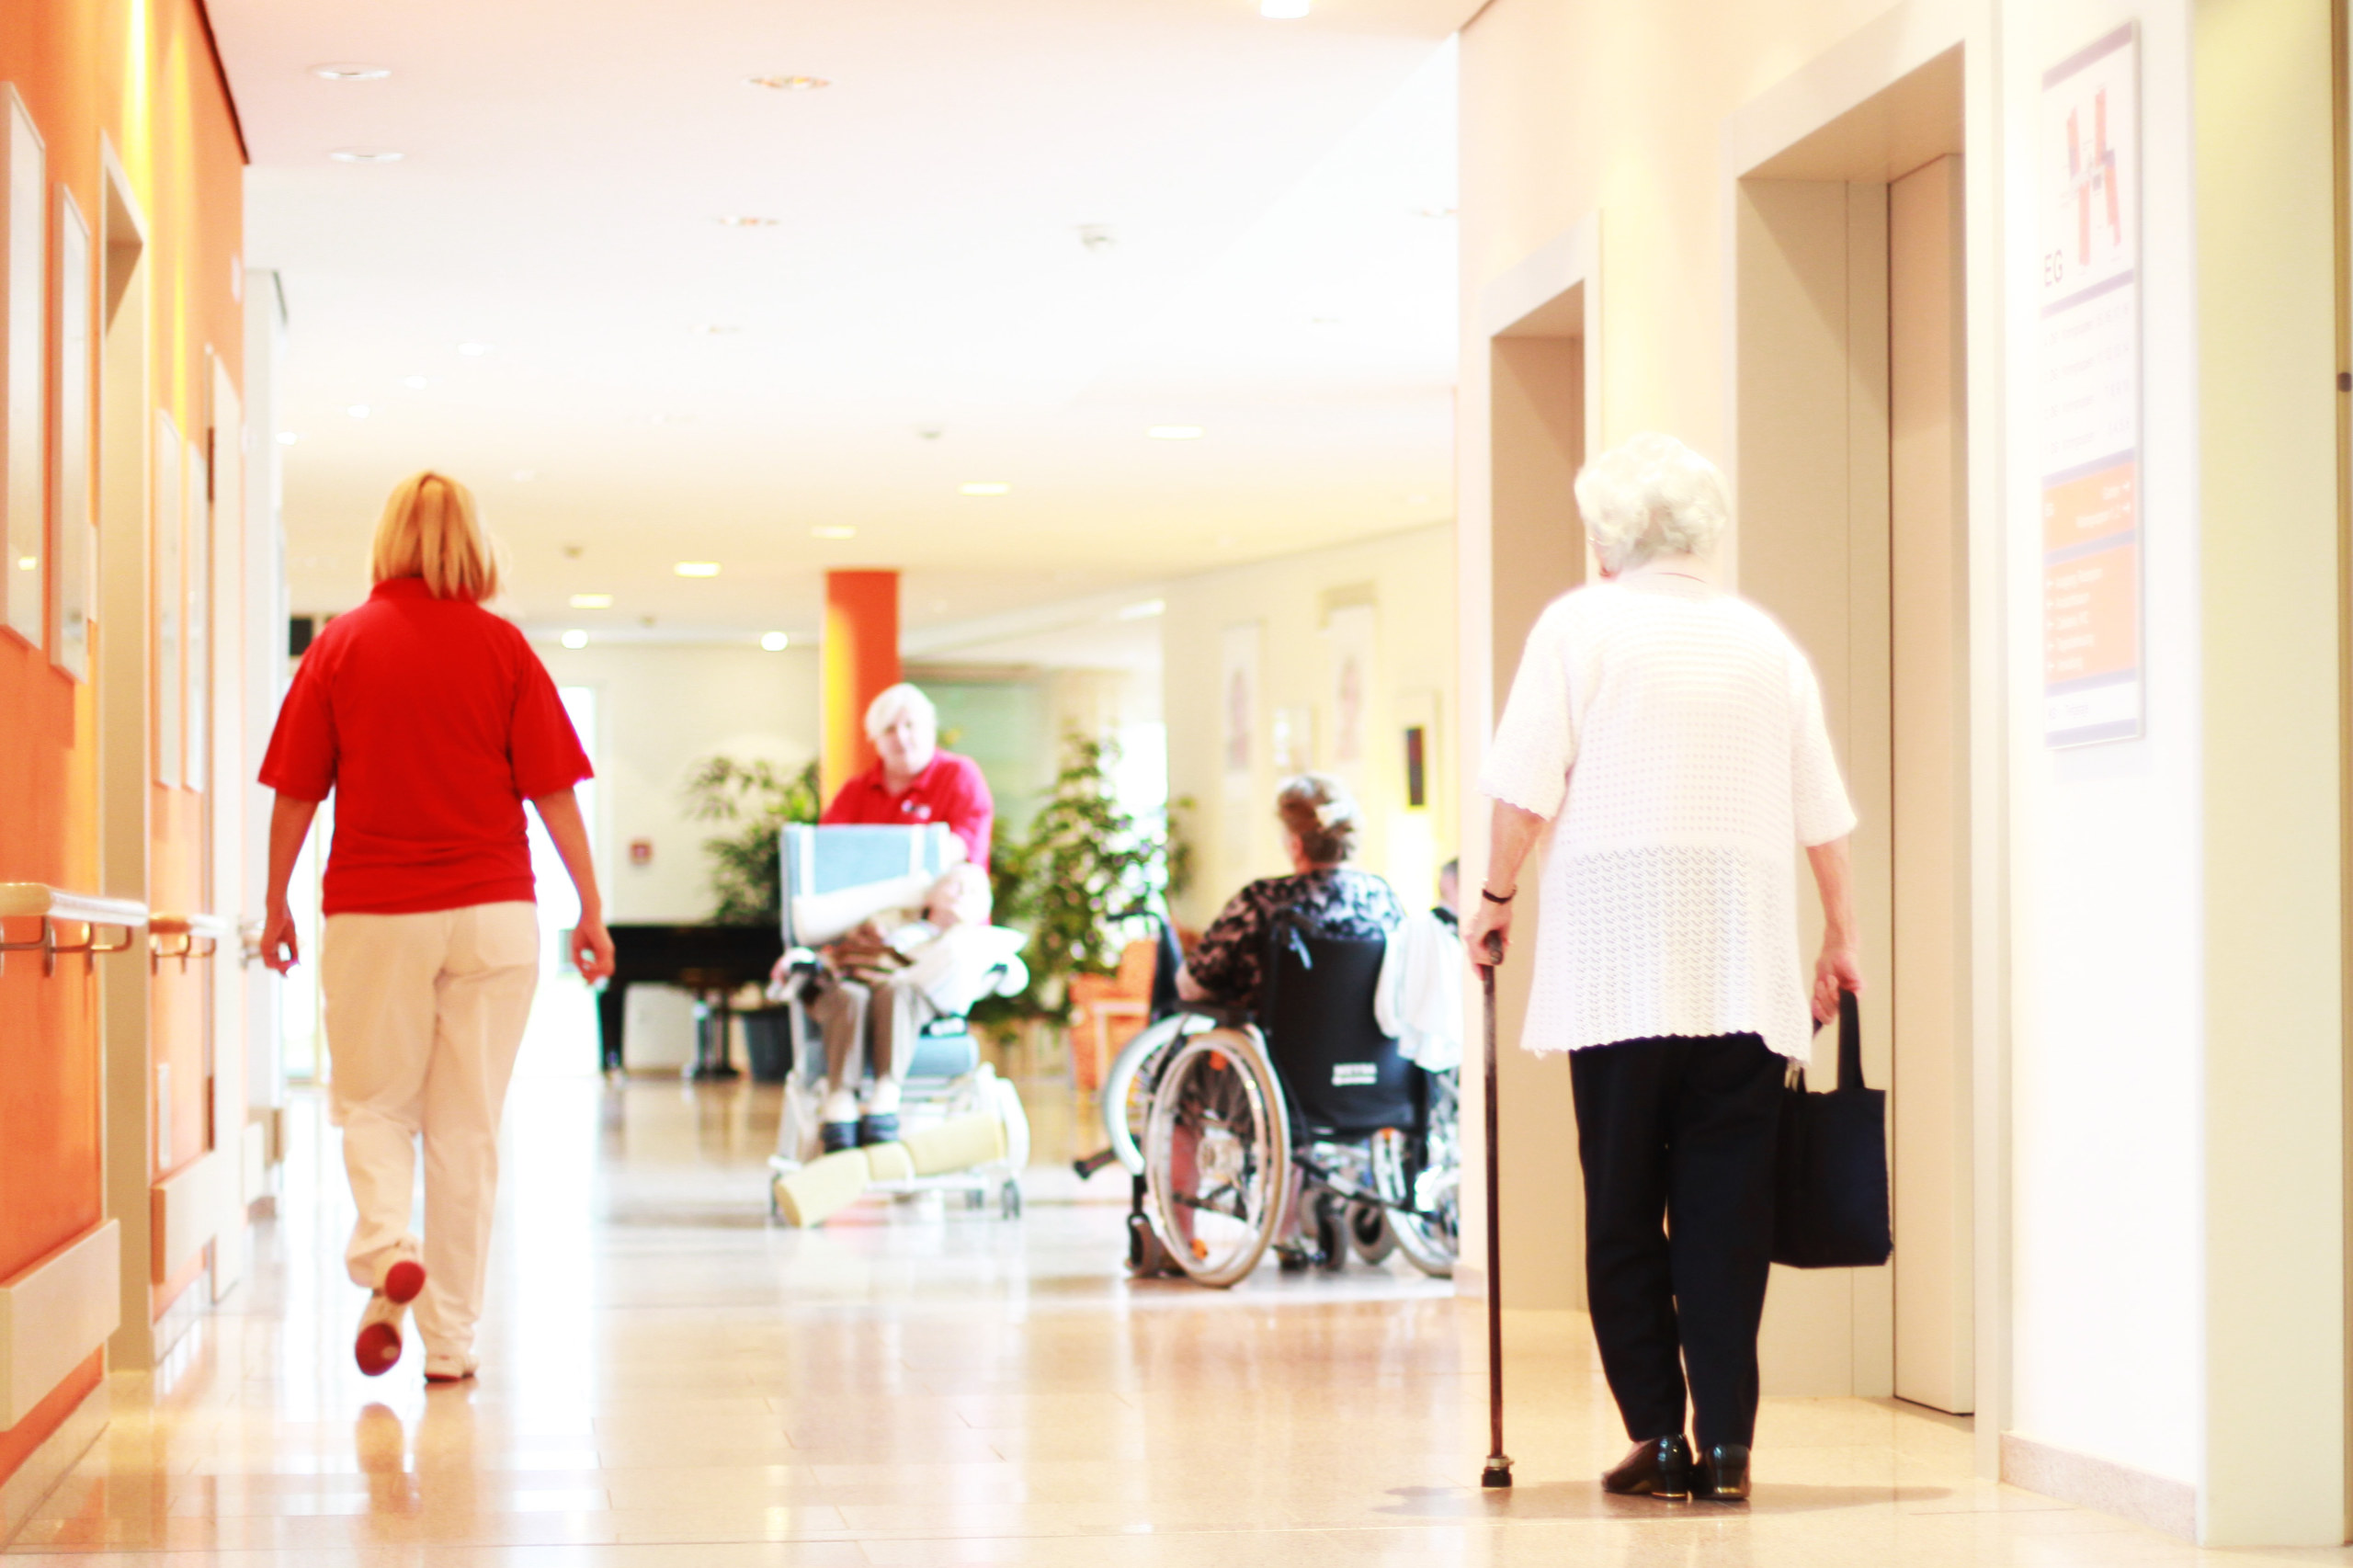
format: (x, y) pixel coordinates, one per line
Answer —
(1498, 1471)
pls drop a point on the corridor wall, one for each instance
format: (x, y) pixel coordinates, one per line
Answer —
(142, 81)
(2145, 1343)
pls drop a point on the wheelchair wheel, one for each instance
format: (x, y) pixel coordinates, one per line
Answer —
(1127, 1085)
(1217, 1157)
(1425, 1176)
(1369, 1233)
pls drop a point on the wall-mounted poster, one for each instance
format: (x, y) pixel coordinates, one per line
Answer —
(198, 605)
(1238, 705)
(2090, 192)
(24, 367)
(1348, 644)
(74, 565)
(165, 587)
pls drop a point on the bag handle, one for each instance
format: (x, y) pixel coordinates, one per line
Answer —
(1850, 1047)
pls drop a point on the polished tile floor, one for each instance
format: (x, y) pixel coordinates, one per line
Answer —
(667, 1382)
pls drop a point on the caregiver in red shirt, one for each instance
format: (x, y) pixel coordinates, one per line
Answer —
(916, 781)
(432, 722)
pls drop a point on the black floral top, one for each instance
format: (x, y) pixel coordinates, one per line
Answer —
(1338, 901)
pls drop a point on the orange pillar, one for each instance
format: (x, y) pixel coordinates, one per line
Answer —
(859, 657)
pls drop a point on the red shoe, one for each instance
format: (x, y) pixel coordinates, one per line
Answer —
(404, 1282)
(376, 1348)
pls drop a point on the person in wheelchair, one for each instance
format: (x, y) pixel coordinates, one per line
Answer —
(882, 982)
(1323, 896)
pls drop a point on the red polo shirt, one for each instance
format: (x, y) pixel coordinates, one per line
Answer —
(432, 722)
(951, 791)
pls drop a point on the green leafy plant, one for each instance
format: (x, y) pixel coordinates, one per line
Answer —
(1076, 881)
(756, 799)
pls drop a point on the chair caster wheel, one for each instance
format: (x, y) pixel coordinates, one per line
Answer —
(1009, 1200)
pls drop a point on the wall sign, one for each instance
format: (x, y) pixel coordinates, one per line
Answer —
(2089, 145)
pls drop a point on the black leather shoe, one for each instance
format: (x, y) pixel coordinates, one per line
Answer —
(1659, 1468)
(833, 1137)
(1722, 1474)
(883, 1129)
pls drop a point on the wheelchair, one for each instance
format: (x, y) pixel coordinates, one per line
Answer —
(1305, 1120)
(834, 877)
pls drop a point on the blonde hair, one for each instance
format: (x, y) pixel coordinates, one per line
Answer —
(1317, 810)
(429, 530)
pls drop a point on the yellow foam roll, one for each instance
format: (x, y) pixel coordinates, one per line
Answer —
(956, 1145)
(887, 1162)
(819, 1190)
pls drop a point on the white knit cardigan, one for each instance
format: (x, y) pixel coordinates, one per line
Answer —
(1674, 735)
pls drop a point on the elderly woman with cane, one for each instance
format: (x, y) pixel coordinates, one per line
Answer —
(1672, 734)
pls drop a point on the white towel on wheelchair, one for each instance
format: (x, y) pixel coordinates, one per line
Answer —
(964, 963)
(822, 917)
(1418, 998)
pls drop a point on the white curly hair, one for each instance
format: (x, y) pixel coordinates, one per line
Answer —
(1649, 497)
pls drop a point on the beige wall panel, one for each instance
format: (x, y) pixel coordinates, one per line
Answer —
(1927, 508)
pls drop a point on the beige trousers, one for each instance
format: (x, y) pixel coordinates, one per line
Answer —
(848, 1016)
(425, 1014)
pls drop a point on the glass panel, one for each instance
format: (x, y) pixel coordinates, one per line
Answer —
(76, 560)
(166, 588)
(24, 489)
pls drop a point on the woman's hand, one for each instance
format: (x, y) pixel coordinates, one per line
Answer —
(1838, 969)
(1490, 934)
(592, 948)
(279, 949)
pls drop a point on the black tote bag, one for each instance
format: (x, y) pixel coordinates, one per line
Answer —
(1830, 1175)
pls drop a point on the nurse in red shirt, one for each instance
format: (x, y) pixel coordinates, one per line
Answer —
(916, 781)
(432, 722)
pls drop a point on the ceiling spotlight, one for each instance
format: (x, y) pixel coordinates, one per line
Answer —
(930, 432)
(775, 641)
(987, 487)
(832, 530)
(474, 350)
(1282, 10)
(28, 562)
(717, 329)
(287, 438)
(1323, 320)
(351, 72)
(592, 601)
(1174, 432)
(359, 410)
(1096, 237)
(745, 220)
(697, 568)
(524, 476)
(1143, 612)
(1435, 212)
(364, 156)
(416, 383)
(789, 84)
(575, 638)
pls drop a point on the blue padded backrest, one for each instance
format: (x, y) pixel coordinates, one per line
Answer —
(826, 859)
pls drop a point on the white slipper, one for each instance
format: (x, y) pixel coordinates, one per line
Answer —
(450, 1369)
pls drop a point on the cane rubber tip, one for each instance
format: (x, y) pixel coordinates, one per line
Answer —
(1496, 1474)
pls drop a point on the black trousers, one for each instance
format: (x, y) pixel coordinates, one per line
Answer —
(1675, 1138)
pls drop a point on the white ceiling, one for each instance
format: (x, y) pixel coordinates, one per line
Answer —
(923, 314)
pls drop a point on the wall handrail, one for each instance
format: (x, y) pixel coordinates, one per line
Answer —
(57, 906)
(176, 936)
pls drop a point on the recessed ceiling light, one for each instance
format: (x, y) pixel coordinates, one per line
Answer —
(1323, 320)
(745, 220)
(697, 568)
(359, 410)
(575, 638)
(346, 73)
(789, 84)
(474, 350)
(987, 487)
(718, 329)
(1096, 237)
(592, 601)
(287, 438)
(524, 476)
(672, 418)
(1417, 500)
(1435, 212)
(833, 530)
(1174, 432)
(1143, 612)
(364, 156)
(416, 383)
(1282, 10)
(775, 641)
(28, 562)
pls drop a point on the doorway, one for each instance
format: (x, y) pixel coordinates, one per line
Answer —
(1850, 455)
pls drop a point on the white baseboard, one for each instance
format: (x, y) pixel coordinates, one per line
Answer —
(188, 1208)
(2101, 1484)
(53, 1315)
(22, 1494)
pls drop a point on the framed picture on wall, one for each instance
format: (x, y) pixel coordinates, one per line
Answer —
(1238, 706)
(73, 562)
(165, 588)
(1348, 638)
(24, 368)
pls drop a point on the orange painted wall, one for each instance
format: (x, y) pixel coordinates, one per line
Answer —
(859, 658)
(141, 74)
